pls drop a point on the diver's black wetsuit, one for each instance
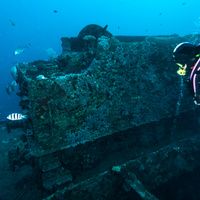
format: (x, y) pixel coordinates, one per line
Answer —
(194, 82)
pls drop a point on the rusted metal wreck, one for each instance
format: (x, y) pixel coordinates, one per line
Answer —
(110, 119)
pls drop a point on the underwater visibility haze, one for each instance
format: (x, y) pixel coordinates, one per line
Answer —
(94, 102)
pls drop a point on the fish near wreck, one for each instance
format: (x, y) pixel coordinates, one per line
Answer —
(9, 89)
(13, 85)
(13, 72)
(40, 77)
(16, 116)
(16, 120)
(21, 49)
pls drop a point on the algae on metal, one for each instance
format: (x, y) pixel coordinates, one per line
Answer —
(96, 92)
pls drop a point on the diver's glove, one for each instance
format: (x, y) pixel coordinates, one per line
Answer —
(181, 71)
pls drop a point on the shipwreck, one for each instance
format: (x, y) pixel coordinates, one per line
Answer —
(109, 119)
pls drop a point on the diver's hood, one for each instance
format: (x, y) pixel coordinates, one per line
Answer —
(183, 52)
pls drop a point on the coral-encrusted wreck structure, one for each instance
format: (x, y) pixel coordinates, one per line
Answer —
(108, 118)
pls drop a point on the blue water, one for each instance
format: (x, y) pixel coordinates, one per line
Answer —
(37, 23)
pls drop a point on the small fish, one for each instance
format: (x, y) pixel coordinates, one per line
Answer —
(11, 22)
(16, 116)
(9, 90)
(21, 49)
(13, 85)
(13, 72)
(184, 3)
(55, 11)
(40, 77)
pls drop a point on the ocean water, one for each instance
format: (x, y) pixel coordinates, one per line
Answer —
(41, 24)
(38, 27)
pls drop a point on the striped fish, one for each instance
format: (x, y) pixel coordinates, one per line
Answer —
(16, 116)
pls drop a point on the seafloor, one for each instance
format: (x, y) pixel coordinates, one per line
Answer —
(19, 183)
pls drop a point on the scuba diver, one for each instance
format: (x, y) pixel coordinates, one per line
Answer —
(187, 57)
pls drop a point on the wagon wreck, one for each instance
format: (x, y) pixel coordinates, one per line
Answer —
(110, 118)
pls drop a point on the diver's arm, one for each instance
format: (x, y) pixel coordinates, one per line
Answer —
(196, 85)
